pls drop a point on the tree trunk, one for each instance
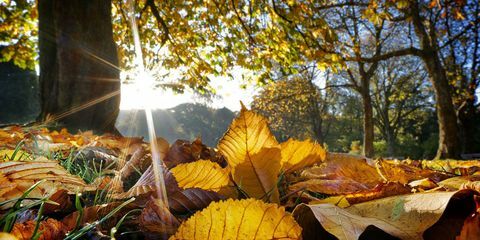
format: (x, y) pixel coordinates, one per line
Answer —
(391, 141)
(368, 150)
(79, 75)
(449, 143)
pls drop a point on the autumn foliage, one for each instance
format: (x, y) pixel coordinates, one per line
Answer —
(249, 187)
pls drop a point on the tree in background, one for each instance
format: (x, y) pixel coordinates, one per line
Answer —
(196, 38)
(461, 56)
(400, 92)
(296, 107)
(355, 42)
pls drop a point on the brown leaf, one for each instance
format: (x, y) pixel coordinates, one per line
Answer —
(382, 190)
(344, 166)
(191, 200)
(65, 204)
(327, 186)
(94, 213)
(50, 229)
(157, 219)
(405, 173)
(182, 151)
(471, 228)
(146, 184)
(435, 215)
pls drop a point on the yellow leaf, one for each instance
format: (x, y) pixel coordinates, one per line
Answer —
(7, 236)
(258, 177)
(339, 201)
(202, 174)
(240, 219)
(252, 153)
(12, 155)
(247, 135)
(299, 154)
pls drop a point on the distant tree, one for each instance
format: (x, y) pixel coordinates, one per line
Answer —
(358, 43)
(295, 106)
(185, 121)
(399, 92)
(426, 39)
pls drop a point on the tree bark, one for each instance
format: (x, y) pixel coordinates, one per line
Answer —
(449, 144)
(391, 141)
(368, 126)
(79, 74)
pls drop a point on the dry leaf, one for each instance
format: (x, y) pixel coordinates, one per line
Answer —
(7, 236)
(12, 155)
(327, 186)
(252, 153)
(471, 228)
(156, 218)
(64, 203)
(50, 229)
(17, 177)
(345, 166)
(433, 215)
(300, 154)
(191, 200)
(182, 151)
(247, 135)
(258, 176)
(202, 174)
(240, 219)
(147, 184)
(456, 183)
(405, 173)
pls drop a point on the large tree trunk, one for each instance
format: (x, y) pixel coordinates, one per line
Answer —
(79, 75)
(449, 144)
(368, 126)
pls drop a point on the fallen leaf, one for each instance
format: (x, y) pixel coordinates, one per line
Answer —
(64, 203)
(50, 229)
(202, 174)
(7, 236)
(300, 154)
(14, 155)
(423, 184)
(253, 155)
(240, 219)
(157, 219)
(247, 135)
(327, 186)
(191, 200)
(471, 228)
(258, 176)
(456, 183)
(345, 166)
(434, 215)
(147, 184)
(17, 177)
(182, 151)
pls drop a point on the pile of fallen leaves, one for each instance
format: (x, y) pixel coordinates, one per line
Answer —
(57, 185)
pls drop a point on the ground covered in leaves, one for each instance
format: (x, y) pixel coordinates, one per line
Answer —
(57, 185)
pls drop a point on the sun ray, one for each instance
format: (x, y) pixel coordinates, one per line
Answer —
(56, 117)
